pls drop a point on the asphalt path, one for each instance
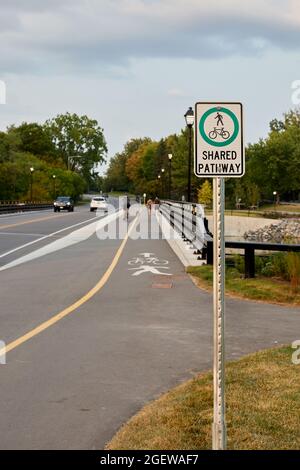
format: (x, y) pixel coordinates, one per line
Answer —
(144, 328)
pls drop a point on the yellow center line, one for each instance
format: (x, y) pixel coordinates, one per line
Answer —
(30, 221)
(59, 316)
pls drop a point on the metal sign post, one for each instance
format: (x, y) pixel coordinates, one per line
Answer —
(219, 426)
(219, 153)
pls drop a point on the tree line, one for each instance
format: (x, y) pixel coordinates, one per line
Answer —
(272, 165)
(65, 151)
(57, 157)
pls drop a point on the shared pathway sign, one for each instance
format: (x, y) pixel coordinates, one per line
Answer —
(219, 150)
(219, 154)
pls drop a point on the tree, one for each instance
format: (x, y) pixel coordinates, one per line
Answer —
(10, 142)
(118, 175)
(272, 164)
(205, 194)
(79, 136)
(34, 138)
(116, 178)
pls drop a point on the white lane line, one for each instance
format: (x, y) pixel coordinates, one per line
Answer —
(71, 239)
(22, 234)
(17, 214)
(44, 237)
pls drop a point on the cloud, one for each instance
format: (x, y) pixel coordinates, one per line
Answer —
(81, 36)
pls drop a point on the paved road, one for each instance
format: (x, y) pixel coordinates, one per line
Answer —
(74, 383)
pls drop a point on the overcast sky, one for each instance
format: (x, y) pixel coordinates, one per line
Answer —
(136, 65)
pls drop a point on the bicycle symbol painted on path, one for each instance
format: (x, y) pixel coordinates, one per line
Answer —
(148, 263)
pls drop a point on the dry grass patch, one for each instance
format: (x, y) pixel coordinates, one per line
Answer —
(263, 409)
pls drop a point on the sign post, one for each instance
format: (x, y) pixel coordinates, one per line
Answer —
(219, 426)
(219, 153)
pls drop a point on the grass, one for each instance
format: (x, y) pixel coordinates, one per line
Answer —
(259, 288)
(239, 213)
(262, 401)
(120, 193)
(263, 211)
(281, 207)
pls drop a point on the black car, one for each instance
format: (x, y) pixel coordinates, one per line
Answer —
(63, 203)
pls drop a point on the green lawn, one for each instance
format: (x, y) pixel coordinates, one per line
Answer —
(262, 211)
(262, 401)
(281, 207)
(260, 288)
(120, 193)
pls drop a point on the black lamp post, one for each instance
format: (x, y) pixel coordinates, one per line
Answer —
(31, 180)
(162, 183)
(275, 195)
(189, 119)
(160, 179)
(54, 185)
(170, 156)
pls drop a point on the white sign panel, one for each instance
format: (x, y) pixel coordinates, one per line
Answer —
(219, 149)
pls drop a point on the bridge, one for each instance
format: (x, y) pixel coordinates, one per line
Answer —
(97, 325)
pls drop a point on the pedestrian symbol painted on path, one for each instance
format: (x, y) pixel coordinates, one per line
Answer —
(144, 268)
(219, 140)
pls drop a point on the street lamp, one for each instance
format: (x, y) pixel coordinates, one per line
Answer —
(159, 178)
(274, 194)
(162, 183)
(170, 156)
(189, 119)
(31, 178)
(144, 196)
(54, 189)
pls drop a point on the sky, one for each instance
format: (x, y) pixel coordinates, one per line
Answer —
(137, 65)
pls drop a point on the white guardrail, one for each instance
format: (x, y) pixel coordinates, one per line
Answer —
(189, 221)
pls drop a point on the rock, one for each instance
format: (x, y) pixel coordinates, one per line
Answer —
(288, 230)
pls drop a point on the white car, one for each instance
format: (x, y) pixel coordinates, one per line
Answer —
(98, 203)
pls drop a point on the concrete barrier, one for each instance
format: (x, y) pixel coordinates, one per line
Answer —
(236, 226)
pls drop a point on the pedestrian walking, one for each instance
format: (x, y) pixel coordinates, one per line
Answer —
(126, 207)
(149, 205)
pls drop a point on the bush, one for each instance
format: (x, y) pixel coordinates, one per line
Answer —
(283, 265)
(239, 263)
(268, 269)
(293, 268)
(272, 265)
(279, 264)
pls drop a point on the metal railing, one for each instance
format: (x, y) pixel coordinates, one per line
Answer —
(249, 252)
(188, 220)
(8, 207)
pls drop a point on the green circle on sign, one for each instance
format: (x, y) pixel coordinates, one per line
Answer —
(235, 123)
